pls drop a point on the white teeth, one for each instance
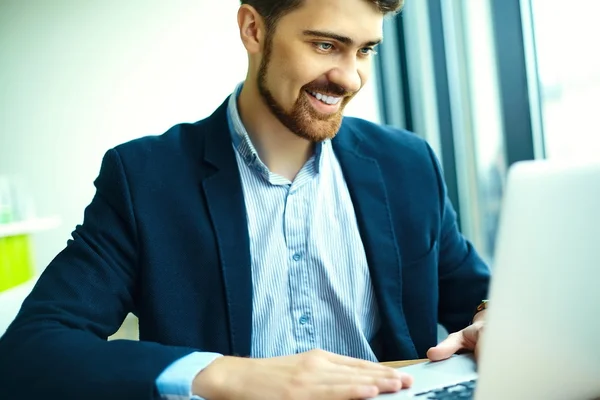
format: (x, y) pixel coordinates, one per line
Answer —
(326, 99)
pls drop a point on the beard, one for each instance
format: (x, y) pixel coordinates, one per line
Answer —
(303, 120)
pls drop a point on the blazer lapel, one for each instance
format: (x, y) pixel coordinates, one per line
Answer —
(368, 192)
(225, 199)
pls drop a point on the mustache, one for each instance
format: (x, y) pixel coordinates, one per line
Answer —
(329, 88)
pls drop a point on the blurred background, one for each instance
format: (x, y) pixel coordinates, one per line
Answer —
(486, 82)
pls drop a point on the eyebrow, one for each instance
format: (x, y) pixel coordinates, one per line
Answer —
(342, 39)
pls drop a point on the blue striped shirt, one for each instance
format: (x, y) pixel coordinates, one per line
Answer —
(311, 282)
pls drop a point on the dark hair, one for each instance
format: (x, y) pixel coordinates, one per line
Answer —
(273, 10)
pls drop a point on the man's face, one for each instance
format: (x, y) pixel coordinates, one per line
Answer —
(316, 61)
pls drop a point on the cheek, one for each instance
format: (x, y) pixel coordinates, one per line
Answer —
(285, 74)
(289, 81)
(301, 65)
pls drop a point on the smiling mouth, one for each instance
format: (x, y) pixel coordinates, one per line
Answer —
(325, 99)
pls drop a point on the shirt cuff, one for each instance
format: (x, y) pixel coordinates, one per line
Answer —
(175, 383)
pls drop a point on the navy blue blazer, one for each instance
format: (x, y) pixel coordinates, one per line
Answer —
(165, 237)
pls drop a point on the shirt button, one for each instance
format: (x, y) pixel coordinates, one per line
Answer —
(303, 320)
(297, 257)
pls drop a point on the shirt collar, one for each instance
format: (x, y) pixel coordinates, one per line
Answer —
(243, 144)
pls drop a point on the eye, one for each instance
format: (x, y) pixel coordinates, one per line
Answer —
(324, 46)
(367, 51)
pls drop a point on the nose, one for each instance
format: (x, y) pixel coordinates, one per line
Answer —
(347, 74)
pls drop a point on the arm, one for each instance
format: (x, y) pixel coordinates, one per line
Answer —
(176, 382)
(463, 276)
(56, 347)
(463, 283)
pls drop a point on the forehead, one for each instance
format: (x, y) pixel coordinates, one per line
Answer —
(357, 19)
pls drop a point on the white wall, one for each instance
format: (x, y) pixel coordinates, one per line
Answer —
(78, 77)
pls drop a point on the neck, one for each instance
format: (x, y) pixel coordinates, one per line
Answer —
(283, 152)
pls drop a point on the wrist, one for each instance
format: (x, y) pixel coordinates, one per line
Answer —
(218, 380)
(209, 382)
(479, 317)
(480, 311)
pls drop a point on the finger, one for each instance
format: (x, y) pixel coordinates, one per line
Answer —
(370, 368)
(384, 384)
(345, 392)
(446, 348)
(356, 363)
(388, 379)
(380, 372)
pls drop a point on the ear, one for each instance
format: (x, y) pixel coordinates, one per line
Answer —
(252, 29)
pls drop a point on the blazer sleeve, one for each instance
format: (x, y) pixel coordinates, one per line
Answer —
(463, 275)
(57, 346)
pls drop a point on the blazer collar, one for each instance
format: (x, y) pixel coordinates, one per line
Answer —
(365, 180)
(225, 199)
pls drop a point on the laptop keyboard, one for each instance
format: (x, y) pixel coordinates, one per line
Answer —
(463, 390)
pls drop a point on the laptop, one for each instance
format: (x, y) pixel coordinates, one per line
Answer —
(542, 335)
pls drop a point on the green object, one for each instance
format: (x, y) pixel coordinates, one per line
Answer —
(16, 262)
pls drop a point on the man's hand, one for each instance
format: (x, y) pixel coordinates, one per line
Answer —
(314, 375)
(468, 339)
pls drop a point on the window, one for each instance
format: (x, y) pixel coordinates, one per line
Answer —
(568, 68)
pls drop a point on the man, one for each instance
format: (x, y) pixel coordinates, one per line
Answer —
(270, 251)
